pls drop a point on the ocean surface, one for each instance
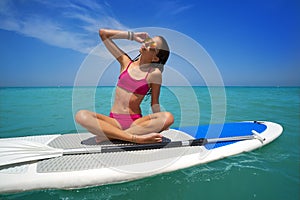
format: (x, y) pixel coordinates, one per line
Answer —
(271, 172)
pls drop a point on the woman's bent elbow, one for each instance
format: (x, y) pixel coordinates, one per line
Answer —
(102, 34)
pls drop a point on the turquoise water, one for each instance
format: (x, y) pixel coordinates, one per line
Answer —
(271, 172)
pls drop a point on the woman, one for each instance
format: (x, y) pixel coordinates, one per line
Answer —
(137, 78)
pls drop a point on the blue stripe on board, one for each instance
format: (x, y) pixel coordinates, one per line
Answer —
(228, 130)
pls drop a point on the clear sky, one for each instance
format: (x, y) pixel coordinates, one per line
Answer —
(252, 42)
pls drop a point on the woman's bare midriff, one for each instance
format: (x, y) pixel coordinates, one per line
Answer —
(126, 102)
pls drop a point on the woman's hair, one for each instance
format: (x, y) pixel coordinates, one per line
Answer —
(163, 54)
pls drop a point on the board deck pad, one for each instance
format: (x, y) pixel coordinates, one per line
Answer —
(95, 161)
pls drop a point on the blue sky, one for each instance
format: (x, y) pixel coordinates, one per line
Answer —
(252, 42)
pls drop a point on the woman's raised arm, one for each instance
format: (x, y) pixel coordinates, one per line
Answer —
(108, 35)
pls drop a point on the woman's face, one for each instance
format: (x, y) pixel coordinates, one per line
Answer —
(150, 47)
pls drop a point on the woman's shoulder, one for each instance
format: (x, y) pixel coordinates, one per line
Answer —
(155, 75)
(155, 72)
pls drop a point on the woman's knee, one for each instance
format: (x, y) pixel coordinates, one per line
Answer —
(82, 116)
(169, 118)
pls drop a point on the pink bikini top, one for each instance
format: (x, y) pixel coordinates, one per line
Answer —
(132, 85)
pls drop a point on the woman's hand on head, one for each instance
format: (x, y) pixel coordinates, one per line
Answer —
(140, 36)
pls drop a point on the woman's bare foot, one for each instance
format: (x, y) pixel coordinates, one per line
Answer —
(147, 138)
(100, 139)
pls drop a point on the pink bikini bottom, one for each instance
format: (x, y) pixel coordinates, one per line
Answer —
(125, 120)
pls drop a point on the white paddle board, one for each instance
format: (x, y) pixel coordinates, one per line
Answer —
(93, 169)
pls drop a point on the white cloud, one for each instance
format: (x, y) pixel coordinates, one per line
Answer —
(66, 24)
(180, 9)
(172, 8)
